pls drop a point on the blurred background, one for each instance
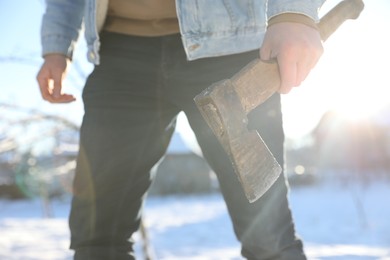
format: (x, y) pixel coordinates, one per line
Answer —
(337, 126)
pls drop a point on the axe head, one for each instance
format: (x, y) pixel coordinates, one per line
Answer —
(254, 164)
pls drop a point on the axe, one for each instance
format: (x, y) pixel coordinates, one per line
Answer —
(225, 105)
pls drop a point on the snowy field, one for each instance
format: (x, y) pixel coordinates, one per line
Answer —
(335, 221)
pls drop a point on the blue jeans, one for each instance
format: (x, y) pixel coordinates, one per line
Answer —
(131, 102)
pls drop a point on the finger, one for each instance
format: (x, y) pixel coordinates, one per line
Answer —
(303, 69)
(302, 73)
(266, 52)
(57, 85)
(43, 82)
(288, 75)
(305, 66)
(63, 98)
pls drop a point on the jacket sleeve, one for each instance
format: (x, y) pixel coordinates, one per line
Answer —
(61, 25)
(308, 8)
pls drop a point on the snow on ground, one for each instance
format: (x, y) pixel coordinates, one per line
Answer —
(336, 222)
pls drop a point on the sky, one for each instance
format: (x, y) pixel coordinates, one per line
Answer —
(352, 75)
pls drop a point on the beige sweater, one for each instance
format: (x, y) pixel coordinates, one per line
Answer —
(156, 17)
(142, 17)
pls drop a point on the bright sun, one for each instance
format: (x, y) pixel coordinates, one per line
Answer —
(352, 76)
(359, 106)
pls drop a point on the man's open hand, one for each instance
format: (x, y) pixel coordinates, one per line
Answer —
(296, 47)
(50, 78)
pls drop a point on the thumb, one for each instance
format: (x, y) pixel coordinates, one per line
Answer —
(265, 53)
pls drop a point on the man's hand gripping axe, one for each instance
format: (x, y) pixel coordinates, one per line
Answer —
(225, 105)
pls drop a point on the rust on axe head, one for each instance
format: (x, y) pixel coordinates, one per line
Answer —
(225, 105)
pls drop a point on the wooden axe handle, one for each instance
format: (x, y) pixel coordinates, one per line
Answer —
(259, 80)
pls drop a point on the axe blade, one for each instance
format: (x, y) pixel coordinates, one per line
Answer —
(254, 164)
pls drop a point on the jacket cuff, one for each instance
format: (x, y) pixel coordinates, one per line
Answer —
(57, 44)
(294, 18)
(308, 8)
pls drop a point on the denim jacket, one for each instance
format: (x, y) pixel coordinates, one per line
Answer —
(208, 28)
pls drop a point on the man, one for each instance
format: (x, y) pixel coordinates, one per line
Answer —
(153, 57)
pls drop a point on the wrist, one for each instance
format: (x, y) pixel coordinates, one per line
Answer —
(292, 18)
(55, 55)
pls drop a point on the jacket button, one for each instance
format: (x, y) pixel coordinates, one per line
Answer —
(92, 55)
